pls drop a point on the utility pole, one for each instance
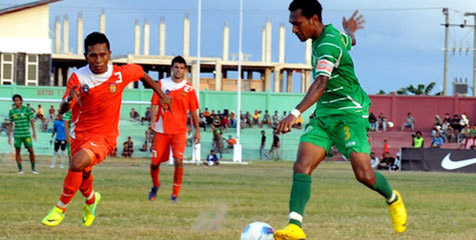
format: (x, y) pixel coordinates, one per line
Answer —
(445, 67)
(474, 50)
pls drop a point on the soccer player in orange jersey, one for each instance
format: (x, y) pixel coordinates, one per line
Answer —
(170, 129)
(94, 92)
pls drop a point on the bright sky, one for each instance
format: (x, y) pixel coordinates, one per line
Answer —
(401, 44)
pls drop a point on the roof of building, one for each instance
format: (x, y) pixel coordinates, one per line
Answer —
(25, 6)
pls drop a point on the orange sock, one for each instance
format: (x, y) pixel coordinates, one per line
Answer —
(154, 174)
(86, 189)
(178, 174)
(72, 181)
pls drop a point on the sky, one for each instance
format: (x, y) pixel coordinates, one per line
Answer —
(401, 44)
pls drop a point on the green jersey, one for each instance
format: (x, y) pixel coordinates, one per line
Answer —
(343, 94)
(21, 117)
(67, 117)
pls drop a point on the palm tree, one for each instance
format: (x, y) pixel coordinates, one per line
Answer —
(420, 89)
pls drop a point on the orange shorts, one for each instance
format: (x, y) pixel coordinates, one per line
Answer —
(98, 147)
(163, 143)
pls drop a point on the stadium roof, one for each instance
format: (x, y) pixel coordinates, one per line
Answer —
(25, 6)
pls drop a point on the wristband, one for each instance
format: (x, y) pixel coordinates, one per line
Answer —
(295, 112)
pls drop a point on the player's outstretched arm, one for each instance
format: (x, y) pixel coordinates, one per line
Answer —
(313, 94)
(66, 103)
(148, 81)
(353, 24)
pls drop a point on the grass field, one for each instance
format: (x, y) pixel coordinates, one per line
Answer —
(218, 202)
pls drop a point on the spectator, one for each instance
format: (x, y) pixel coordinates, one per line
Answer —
(437, 121)
(469, 142)
(275, 119)
(134, 115)
(386, 147)
(128, 148)
(4, 127)
(147, 116)
(262, 152)
(437, 141)
(202, 121)
(382, 122)
(387, 163)
(146, 142)
(373, 122)
(216, 122)
(232, 119)
(114, 152)
(190, 136)
(299, 122)
(208, 116)
(284, 115)
(256, 117)
(418, 140)
(39, 113)
(231, 142)
(447, 117)
(225, 123)
(31, 108)
(212, 159)
(464, 120)
(219, 114)
(218, 142)
(248, 119)
(374, 161)
(456, 123)
(274, 151)
(266, 119)
(410, 122)
(52, 116)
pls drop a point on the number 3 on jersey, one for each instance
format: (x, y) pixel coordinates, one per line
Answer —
(119, 77)
(346, 132)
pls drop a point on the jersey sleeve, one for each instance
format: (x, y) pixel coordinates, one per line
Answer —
(328, 56)
(10, 116)
(72, 82)
(155, 96)
(132, 73)
(193, 101)
(347, 40)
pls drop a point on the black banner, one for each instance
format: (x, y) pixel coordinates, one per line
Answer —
(435, 159)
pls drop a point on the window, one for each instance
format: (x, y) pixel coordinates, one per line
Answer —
(6, 71)
(31, 73)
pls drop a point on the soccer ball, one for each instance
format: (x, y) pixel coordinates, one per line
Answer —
(390, 124)
(257, 231)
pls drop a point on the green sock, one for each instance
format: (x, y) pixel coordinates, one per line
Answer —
(33, 166)
(20, 168)
(300, 194)
(381, 186)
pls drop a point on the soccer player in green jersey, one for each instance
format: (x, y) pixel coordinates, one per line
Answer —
(340, 119)
(22, 117)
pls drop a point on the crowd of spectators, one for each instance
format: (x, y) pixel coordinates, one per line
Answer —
(456, 129)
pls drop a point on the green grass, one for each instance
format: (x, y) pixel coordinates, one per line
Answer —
(218, 202)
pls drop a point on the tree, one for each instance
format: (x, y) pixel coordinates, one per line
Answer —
(420, 89)
(381, 92)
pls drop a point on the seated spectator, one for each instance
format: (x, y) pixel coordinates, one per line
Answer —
(31, 108)
(232, 119)
(374, 161)
(190, 136)
(266, 119)
(249, 122)
(447, 117)
(437, 141)
(242, 120)
(128, 148)
(52, 116)
(216, 122)
(386, 147)
(212, 159)
(437, 121)
(456, 123)
(147, 116)
(202, 121)
(208, 116)
(299, 122)
(230, 142)
(275, 119)
(465, 131)
(387, 162)
(439, 130)
(464, 120)
(39, 113)
(409, 122)
(225, 123)
(373, 122)
(418, 140)
(134, 115)
(113, 153)
(469, 142)
(256, 117)
(381, 122)
(284, 115)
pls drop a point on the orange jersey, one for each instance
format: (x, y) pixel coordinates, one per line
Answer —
(97, 110)
(184, 100)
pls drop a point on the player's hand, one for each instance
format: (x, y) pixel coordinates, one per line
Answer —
(166, 103)
(34, 136)
(197, 137)
(354, 23)
(286, 124)
(73, 93)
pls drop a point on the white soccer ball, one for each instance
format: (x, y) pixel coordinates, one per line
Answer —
(257, 231)
(390, 124)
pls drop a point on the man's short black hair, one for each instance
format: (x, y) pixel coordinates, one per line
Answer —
(419, 132)
(95, 38)
(17, 96)
(179, 59)
(309, 8)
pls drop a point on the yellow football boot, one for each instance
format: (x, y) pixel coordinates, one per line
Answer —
(290, 232)
(89, 213)
(398, 213)
(54, 217)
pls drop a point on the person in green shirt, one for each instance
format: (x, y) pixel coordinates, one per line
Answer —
(340, 118)
(21, 118)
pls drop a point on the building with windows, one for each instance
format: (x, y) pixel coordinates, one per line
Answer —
(25, 46)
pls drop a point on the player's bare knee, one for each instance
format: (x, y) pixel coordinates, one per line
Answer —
(302, 167)
(365, 177)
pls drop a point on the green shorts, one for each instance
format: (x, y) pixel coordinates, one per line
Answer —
(25, 140)
(348, 134)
